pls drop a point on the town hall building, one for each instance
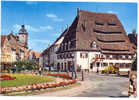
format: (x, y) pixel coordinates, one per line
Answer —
(94, 41)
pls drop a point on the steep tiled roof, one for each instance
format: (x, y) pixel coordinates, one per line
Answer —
(102, 28)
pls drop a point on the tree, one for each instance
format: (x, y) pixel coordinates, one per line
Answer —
(134, 65)
(26, 64)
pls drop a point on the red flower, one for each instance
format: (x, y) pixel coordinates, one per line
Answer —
(6, 77)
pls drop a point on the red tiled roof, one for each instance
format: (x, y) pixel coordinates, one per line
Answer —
(37, 54)
(3, 37)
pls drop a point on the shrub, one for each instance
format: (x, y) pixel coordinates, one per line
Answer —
(111, 69)
(134, 65)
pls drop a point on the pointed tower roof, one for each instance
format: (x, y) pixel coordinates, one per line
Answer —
(23, 30)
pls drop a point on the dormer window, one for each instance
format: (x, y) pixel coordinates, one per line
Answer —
(112, 24)
(99, 23)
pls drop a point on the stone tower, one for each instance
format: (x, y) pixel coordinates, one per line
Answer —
(23, 35)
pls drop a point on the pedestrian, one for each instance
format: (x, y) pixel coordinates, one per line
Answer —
(40, 70)
(132, 84)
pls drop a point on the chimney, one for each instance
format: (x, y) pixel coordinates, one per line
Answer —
(78, 10)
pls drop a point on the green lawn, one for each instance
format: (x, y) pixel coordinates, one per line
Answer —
(24, 79)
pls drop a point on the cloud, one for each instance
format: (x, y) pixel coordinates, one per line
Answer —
(54, 17)
(31, 2)
(30, 28)
(56, 34)
(113, 12)
(38, 44)
(58, 19)
(46, 28)
(51, 15)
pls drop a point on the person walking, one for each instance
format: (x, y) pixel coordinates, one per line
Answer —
(132, 84)
(40, 70)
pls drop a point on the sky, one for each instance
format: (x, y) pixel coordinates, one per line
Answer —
(45, 20)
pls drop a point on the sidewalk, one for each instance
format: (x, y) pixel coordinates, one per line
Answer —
(69, 92)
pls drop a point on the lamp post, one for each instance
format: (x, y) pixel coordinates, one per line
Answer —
(82, 73)
(73, 68)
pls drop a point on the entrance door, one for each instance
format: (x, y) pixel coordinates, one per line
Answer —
(91, 66)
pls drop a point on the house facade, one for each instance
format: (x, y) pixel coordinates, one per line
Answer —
(33, 55)
(48, 57)
(14, 47)
(93, 42)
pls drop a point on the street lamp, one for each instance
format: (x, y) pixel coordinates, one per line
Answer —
(82, 75)
(83, 72)
(73, 68)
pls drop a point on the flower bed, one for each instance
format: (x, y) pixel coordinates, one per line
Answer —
(6, 77)
(60, 75)
(36, 86)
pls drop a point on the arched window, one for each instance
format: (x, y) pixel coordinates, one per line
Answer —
(94, 45)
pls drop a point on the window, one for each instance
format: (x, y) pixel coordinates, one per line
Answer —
(123, 56)
(126, 56)
(81, 55)
(99, 23)
(62, 66)
(120, 56)
(70, 55)
(107, 56)
(91, 66)
(86, 55)
(129, 56)
(117, 56)
(112, 24)
(110, 63)
(61, 48)
(105, 64)
(57, 56)
(66, 46)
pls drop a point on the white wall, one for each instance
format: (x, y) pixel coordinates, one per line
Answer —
(85, 62)
(13, 56)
